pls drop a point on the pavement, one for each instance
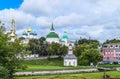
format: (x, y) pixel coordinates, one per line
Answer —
(55, 72)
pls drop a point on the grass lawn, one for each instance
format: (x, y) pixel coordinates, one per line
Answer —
(47, 64)
(95, 75)
(41, 67)
(53, 64)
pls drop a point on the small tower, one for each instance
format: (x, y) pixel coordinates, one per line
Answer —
(65, 40)
(70, 59)
(29, 30)
(12, 31)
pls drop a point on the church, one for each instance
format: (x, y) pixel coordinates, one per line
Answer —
(52, 36)
(70, 59)
(29, 34)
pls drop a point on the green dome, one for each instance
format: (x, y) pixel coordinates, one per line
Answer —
(52, 35)
(24, 33)
(65, 37)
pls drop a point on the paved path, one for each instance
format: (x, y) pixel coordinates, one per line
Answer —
(55, 72)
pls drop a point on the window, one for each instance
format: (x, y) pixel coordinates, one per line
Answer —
(65, 62)
(74, 62)
(69, 63)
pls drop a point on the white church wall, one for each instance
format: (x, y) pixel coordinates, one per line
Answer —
(50, 40)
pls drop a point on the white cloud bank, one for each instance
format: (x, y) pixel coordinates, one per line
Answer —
(98, 19)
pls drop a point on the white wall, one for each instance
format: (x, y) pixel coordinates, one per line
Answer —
(50, 40)
(70, 62)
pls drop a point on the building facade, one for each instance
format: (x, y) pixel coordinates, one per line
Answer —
(111, 53)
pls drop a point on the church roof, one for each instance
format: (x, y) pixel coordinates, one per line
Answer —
(65, 37)
(25, 33)
(33, 33)
(70, 56)
(52, 35)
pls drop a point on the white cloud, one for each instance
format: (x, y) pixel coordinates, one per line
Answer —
(36, 7)
(99, 19)
(69, 20)
(22, 19)
(43, 21)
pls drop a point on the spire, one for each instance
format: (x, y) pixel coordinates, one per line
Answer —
(13, 25)
(65, 31)
(12, 21)
(52, 27)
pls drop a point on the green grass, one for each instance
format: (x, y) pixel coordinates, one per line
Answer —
(95, 75)
(53, 64)
(37, 67)
(40, 67)
(47, 64)
(109, 65)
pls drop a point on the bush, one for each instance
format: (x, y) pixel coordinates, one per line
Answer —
(3, 73)
(48, 62)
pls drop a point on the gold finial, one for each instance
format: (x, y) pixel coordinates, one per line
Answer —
(29, 30)
(12, 21)
(65, 31)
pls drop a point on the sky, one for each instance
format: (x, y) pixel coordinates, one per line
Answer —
(98, 19)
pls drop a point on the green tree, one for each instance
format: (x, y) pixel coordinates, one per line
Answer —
(43, 46)
(9, 52)
(87, 41)
(56, 49)
(3, 73)
(38, 46)
(34, 46)
(81, 48)
(90, 55)
(112, 41)
(42, 39)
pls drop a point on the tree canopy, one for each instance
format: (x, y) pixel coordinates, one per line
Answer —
(112, 41)
(87, 51)
(56, 49)
(87, 41)
(9, 52)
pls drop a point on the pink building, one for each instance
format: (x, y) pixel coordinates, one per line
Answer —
(111, 53)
